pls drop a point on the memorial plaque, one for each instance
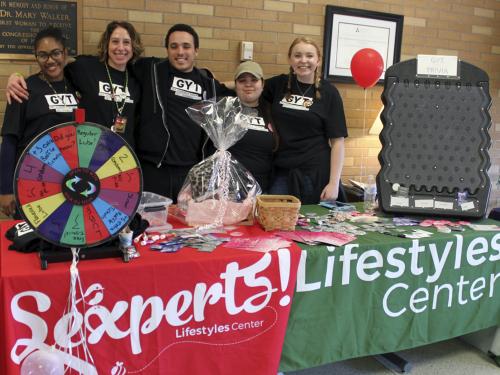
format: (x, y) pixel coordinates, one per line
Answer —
(21, 20)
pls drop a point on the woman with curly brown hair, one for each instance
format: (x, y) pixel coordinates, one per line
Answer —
(105, 84)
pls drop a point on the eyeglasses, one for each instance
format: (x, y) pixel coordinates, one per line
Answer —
(44, 56)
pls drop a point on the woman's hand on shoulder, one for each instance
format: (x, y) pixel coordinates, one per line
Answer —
(7, 204)
(229, 84)
(16, 88)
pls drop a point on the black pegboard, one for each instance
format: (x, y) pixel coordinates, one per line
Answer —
(435, 141)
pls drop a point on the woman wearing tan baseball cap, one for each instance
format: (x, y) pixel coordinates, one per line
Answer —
(255, 149)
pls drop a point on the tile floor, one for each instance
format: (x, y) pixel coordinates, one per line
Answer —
(451, 357)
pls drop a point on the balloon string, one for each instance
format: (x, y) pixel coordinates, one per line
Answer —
(365, 152)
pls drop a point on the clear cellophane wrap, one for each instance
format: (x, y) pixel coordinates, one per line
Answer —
(219, 190)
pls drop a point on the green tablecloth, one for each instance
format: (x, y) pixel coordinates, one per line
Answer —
(382, 294)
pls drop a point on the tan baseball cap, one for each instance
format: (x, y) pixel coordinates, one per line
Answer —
(249, 67)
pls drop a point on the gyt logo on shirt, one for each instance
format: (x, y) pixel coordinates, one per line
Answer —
(186, 88)
(297, 102)
(257, 123)
(121, 93)
(61, 102)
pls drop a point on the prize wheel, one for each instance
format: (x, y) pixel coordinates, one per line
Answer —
(78, 185)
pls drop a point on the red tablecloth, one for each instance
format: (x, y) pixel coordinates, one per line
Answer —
(189, 312)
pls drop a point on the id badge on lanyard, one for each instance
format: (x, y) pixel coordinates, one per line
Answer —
(120, 124)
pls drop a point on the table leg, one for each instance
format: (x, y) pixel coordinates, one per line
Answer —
(495, 358)
(394, 362)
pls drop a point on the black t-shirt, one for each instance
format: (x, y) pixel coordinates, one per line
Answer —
(255, 149)
(187, 137)
(90, 78)
(44, 109)
(167, 134)
(24, 121)
(304, 124)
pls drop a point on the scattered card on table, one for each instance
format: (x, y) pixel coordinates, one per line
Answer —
(260, 243)
(484, 227)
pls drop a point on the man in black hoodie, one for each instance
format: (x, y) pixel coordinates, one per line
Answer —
(168, 142)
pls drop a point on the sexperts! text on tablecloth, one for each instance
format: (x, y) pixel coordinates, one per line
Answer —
(183, 313)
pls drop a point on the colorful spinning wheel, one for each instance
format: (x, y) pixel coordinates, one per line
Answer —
(78, 185)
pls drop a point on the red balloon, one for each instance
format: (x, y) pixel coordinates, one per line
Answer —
(366, 67)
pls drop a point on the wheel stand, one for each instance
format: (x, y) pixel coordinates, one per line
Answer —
(64, 255)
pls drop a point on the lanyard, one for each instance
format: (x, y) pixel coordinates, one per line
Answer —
(119, 108)
(42, 76)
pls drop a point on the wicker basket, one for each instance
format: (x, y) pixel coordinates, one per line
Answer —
(277, 211)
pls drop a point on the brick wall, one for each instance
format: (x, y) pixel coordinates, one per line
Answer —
(467, 28)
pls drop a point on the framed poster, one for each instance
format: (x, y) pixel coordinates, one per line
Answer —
(21, 20)
(348, 30)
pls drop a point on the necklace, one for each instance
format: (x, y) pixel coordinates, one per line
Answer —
(119, 108)
(305, 102)
(43, 78)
